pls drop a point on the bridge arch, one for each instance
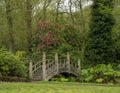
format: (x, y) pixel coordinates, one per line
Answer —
(48, 68)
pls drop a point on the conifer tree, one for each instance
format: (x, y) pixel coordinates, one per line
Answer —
(99, 48)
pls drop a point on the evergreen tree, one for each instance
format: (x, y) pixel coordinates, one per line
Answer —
(99, 49)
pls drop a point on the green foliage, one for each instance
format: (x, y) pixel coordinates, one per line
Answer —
(46, 38)
(87, 75)
(100, 44)
(61, 79)
(72, 79)
(55, 79)
(116, 34)
(21, 22)
(10, 65)
(101, 74)
(66, 40)
(21, 55)
(65, 78)
(70, 38)
(99, 80)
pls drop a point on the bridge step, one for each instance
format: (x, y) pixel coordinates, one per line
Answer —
(37, 77)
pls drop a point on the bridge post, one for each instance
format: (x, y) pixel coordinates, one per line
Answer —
(68, 62)
(44, 66)
(79, 65)
(56, 62)
(30, 70)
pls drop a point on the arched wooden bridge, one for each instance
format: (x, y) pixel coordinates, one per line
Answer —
(48, 68)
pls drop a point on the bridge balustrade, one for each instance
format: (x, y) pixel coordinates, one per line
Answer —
(48, 68)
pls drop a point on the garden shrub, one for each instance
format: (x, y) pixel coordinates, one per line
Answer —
(11, 65)
(71, 79)
(101, 73)
(54, 79)
(62, 79)
(21, 55)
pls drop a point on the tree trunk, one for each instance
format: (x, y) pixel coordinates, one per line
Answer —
(29, 24)
(44, 10)
(10, 26)
(71, 14)
(83, 32)
(57, 10)
(45, 6)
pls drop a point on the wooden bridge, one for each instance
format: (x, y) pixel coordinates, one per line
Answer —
(48, 68)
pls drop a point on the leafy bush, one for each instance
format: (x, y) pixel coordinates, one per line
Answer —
(101, 74)
(10, 65)
(55, 79)
(62, 79)
(71, 79)
(21, 55)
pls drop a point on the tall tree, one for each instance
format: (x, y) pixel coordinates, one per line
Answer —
(71, 12)
(9, 18)
(57, 9)
(29, 23)
(46, 3)
(99, 49)
(82, 26)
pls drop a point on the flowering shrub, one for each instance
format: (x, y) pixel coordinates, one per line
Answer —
(46, 35)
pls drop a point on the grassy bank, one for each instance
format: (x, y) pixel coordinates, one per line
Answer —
(54, 87)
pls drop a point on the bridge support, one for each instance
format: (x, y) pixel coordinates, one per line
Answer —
(68, 62)
(44, 66)
(57, 63)
(79, 66)
(30, 70)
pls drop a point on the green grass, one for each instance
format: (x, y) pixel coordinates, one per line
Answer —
(56, 87)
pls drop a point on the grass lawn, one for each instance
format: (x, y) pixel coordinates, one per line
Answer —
(56, 87)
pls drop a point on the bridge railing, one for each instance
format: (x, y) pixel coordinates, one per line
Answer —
(37, 66)
(47, 68)
(50, 67)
